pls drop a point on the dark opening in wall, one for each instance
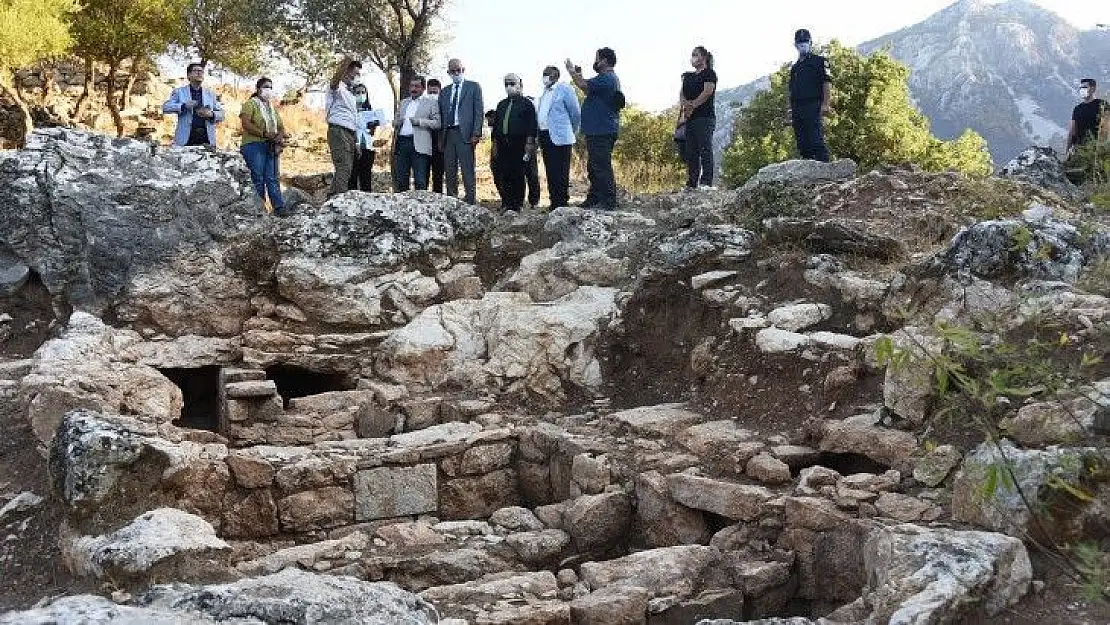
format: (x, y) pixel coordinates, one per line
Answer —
(200, 387)
(293, 381)
(850, 464)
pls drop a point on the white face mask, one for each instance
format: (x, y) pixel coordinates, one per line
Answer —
(361, 98)
(547, 82)
(457, 78)
(266, 93)
(433, 96)
(512, 90)
(803, 47)
(1083, 93)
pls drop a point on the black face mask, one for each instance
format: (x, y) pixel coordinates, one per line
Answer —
(597, 66)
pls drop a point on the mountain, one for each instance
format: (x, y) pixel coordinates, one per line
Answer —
(1008, 70)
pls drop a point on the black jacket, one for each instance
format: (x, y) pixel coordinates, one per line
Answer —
(522, 118)
(808, 76)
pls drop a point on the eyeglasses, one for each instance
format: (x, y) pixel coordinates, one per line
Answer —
(511, 84)
(454, 72)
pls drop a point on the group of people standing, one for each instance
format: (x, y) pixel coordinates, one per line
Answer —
(437, 128)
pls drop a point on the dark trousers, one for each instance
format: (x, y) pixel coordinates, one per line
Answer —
(437, 167)
(263, 163)
(599, 170)
(698, 151)
(494, 170)
(362, 176)
(809, 132)
(532, 176)
(511, 171)
(556, 162)
(410, 163)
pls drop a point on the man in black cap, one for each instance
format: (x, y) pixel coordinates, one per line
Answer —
(810, 92)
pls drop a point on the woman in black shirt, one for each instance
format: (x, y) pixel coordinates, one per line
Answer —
(700, 120)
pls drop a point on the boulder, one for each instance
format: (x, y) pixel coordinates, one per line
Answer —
(1041, 167)
(504, 341)
(598, 522)
(893, 448)
(984, 493)
(165, 543)
(834, 236)
(935, 466)
(926, 576)
(670, 571)
(909, 388)
(798, 317)
(539, 548)
(742, 502)
(621, 605)
(291, 596)
(662, 522)
(802, 172)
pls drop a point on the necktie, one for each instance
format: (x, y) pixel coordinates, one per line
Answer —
(505, 124)
(455, 103)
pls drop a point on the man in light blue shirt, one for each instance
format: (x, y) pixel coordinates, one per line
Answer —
(197, 109)
(559, 117)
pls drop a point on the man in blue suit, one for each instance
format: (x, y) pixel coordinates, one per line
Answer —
(559, 117)
(462, 114)
(197, 109)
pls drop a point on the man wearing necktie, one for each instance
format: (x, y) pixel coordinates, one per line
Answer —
(460, 109)
(514, 137)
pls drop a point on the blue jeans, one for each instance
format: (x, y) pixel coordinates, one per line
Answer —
(599, 170)
(809, 131)
(263, 164)
(410, 162)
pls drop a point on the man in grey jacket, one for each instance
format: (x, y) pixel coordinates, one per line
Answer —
(416, 118)
(461, 112)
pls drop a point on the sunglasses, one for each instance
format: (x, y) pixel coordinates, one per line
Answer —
(454, 72)
(511, 84)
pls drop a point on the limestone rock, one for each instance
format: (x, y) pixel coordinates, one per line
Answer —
(908, 391)
(1045, 249)
(1042, 167)
(662, 522)
(741, 502)
(802, 172)
(661, 420)
(905, 508)
(516, 519)
(935, 467)
(676, 571)
(767, 469)
(776, 341)
(598, 522)
(919, 575)
(893, 448)
(503, 340)
(799, 316)
(163, 544)
(1054, 422)
(388, 492)
(622, 605)
(538, 548)
(1005, 510)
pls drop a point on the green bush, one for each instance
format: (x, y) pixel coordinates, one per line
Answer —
(873, 122)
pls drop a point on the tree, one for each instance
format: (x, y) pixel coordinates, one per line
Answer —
(30, 30)
(874, 122)
(308, 54)
(229, 33)
(396, 36)
(115, 32)
(645, 157)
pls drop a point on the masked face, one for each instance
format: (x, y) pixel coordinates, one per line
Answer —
(512, 89)
(1084, 92)
(547, 80)
(266, 93)
(803, 47)
(361, 97)
(456, 76)
(433, 93)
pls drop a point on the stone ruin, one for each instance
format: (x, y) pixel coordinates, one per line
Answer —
(404, 409)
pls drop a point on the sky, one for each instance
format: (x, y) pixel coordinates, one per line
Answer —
(653, 38)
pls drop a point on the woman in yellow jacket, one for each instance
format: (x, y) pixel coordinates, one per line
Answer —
(263, 139)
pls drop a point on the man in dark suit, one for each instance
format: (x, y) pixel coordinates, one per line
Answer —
(462, 113)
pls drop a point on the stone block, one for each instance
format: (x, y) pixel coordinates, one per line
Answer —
(388, 492)
(317, 509)
(252, 516)
(250, 471)
(232, 375)
(624, 605)
(250, 389)
(740, 502)
(479, 497)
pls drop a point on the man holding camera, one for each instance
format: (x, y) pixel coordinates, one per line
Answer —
(197, 109)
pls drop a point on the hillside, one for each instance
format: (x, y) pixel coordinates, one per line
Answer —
(1006, 70)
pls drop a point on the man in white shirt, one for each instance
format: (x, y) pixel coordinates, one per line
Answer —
(342, 115)
(417, 117)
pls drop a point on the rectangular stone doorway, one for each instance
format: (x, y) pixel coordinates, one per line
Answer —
(200, 387)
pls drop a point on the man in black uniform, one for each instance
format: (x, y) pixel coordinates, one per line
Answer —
(1088, 116)
(810, 91)
(515, 128)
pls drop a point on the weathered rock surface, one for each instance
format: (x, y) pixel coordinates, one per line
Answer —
(1042, 167)
(802, 172)
(291, 596)
(161, 544)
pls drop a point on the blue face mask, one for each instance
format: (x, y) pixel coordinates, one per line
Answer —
(803, 47)
(457, 78)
